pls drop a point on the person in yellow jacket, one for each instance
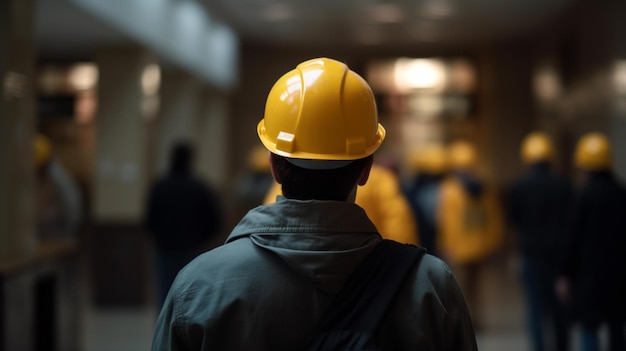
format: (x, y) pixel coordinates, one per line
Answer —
(470, 222)
(383, 201)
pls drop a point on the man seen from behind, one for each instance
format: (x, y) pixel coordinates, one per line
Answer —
(281, 267)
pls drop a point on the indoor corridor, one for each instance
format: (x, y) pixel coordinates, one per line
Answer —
(96, 94)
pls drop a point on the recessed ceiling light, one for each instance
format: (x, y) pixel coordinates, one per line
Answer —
(437, 9)
(277, 12)
(385, 13)
(419, 74)
(83, 76)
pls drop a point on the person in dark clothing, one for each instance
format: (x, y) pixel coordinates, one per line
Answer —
(183, 214)
(594, 264)
(423, 190)
(537, 212)
(470, 223)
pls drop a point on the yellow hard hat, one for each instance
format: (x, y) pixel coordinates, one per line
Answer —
(321, 110)
(461, 155)
(537, 146)
(593, 152)
(43, 150)
(429, 159)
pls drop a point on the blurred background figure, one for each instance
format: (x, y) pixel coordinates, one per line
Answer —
(183, 214)
(427, 167)
(470, 223)
(538, 207)
(58, 196)
(252, 186)
(383, 201)
(594, 265)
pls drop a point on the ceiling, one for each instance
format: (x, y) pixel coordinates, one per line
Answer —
(384, 22)
(63, 31)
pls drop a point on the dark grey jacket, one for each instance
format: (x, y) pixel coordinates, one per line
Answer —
(266, 288)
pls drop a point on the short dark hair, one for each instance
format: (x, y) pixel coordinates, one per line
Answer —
(309, 184)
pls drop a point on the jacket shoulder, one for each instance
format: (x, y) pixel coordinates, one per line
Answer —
(429, 312)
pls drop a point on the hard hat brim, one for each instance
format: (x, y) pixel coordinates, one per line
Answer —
(272, 147)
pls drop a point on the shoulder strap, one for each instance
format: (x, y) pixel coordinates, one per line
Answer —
(363, 301)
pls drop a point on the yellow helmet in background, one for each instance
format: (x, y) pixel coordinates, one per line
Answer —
(536, 147)
(593, 152)
(43, 150)
(258, 159)
(430, 159)
(461, 155)
(321, 110)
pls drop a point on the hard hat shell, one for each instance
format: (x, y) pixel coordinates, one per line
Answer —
(536, 147)
(593, 152)
(321, 110)
(429, 159)
(43, 150)
(461, 155)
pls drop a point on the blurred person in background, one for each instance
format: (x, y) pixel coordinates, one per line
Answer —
(538, 209)
(470, 223)
(59, 208)
(183, 214)
(593, 280)
(383, 201)
(427, 166)
(252, 186)
(282, 267)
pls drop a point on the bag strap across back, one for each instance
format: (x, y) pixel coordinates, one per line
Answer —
(367, 295)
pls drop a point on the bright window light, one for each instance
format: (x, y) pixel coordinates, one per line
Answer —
(83, 76)
(151, 79)
(419, 74)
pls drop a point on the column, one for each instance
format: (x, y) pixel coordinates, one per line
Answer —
(120, 174)
(119, 248)
(17, 125)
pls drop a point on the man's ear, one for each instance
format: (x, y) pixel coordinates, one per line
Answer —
(365, 172)
(273, 168)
